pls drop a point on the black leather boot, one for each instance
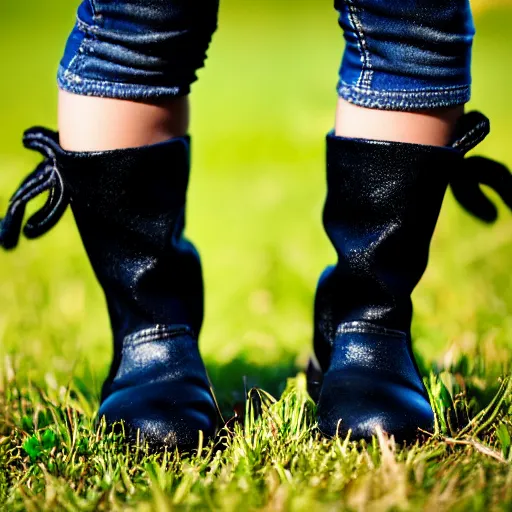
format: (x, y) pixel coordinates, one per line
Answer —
(382, 205)
(129, 206)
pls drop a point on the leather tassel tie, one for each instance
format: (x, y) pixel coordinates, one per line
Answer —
(476, 171)
(465, 182)
(46, 178)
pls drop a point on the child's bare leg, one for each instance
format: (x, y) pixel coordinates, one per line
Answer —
(88, 123)
(127, 69)
(432, 127)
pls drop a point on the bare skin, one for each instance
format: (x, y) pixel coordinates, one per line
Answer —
(430, 127)
(88, 123)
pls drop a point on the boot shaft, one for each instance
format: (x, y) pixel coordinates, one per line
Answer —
(382, 206)
(129, 206)
(383, 202)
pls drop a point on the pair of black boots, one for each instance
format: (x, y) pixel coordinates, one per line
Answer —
(382, 205)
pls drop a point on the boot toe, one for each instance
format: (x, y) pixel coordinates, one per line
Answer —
(162, 416)
(363, 405)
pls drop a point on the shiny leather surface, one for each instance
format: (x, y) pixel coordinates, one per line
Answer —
(382, 206)
(129, 206)
(372, 382)
(160, 389)
(383, 201)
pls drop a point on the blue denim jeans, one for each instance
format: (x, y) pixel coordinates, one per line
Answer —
(406, 54)
(399, 54)
(137, 49)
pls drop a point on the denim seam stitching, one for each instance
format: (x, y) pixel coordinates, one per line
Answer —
(75, 66)
(404, 101)
(72, 82)
(85, 27)
(94, 10)
(402, 92)
(365, 78)
(69, 72)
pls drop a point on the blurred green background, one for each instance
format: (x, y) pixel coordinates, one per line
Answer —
(260, 111)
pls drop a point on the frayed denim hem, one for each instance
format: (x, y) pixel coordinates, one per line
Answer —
(70, 82)
(405, 100)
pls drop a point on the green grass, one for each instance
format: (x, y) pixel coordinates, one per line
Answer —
(261, 108)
